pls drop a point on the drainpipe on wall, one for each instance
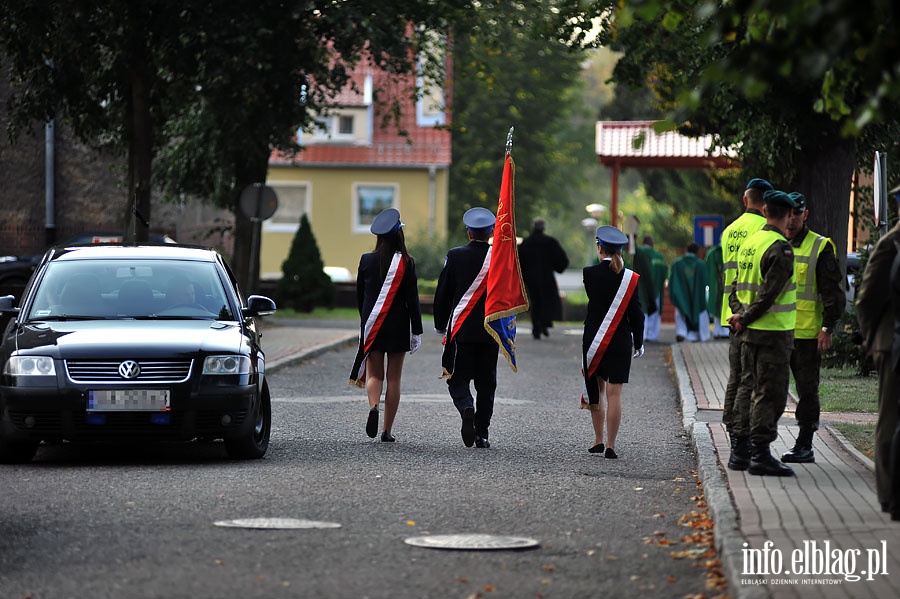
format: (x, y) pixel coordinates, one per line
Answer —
(49, 184)
(432, 199)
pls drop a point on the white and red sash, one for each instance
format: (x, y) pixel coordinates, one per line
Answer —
(376, 317)
(609, 325)
(461, 311)
(469, 299)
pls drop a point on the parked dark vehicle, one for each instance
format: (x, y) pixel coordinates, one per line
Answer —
(16, 270)
(133, 343)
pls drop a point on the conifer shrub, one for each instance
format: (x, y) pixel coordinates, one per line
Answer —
(304, 284)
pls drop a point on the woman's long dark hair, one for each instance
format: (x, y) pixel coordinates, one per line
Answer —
(387, 246)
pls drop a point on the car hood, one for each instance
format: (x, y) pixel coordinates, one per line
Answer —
(121, 339)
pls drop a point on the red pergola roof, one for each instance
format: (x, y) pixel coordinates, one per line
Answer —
(636, 144)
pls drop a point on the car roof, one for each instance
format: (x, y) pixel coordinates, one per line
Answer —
(118, 251)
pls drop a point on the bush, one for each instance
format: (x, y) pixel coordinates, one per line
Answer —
(845, 351)
(304, 283)
(429, 253)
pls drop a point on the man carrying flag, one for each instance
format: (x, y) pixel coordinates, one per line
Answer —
(478, 295)
(470, 353)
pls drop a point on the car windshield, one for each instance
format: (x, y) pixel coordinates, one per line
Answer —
(113, 289)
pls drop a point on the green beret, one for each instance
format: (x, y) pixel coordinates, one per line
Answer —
(777, 197)
(799, 198)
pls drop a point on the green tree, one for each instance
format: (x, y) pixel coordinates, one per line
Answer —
(304, 284)
(506, 74)
(211, 88)
(798, 87)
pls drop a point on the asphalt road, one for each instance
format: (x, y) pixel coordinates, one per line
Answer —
(127, 523)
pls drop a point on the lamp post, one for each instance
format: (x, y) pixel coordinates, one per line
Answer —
(590, 226)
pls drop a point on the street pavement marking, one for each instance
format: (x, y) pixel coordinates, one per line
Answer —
(436, 398)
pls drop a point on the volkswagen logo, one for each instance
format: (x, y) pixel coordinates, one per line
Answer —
(129, 369)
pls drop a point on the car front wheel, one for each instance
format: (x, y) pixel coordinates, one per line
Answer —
(254, 445)
(17, 452)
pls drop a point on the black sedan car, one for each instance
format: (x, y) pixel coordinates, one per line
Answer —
(133, 343)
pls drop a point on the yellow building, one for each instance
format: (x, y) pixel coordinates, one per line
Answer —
(356, 165)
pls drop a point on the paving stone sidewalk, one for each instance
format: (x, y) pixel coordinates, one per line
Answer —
(809, 535)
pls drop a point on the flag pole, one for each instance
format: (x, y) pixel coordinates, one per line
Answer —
(509, 141)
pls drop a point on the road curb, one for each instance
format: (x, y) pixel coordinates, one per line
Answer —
(311, 352)
(727, 533)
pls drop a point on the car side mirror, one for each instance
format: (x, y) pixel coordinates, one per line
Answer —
(258, 305)
(7, 304)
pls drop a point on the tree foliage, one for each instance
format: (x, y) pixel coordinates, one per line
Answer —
(209, 88)
(508, 74)
(798, 87)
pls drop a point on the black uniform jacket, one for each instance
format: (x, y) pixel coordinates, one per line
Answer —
(460, 269)
(540, 255)
(404, 315)
(601, 284)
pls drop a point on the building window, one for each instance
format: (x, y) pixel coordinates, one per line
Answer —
(345, 124)
(293, 202)
(369, 199)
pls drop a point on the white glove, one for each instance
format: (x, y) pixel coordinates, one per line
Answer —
(440, 332)
(414, 342)
(638, 352)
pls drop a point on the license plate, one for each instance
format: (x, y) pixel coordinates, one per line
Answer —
(128, 400)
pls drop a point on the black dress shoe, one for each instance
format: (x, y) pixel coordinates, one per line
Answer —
(468, 427)
(372, 423)
(598, 448)
(610, 453)
(387, 437)
(482, 442)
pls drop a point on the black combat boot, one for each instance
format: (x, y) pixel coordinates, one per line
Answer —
(740, 453)
(762, 462)
(802, 453)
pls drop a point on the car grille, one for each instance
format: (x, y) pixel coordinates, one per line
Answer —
(152, 371)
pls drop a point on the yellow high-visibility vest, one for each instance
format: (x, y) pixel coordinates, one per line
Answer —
(809, 300)
(781, 315)
(733, 236)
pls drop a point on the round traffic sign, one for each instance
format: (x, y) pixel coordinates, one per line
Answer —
(258, 201)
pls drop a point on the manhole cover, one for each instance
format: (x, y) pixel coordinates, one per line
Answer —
(275, 523)
(472, 542)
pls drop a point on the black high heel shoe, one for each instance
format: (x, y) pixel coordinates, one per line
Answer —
(372, 423)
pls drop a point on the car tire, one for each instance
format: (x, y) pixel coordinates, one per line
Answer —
(17, 452)
(254, 445)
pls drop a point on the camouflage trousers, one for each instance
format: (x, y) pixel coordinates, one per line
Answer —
(805, 363)
(734, 379)
(763, 389)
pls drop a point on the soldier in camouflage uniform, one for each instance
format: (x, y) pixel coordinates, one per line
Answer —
(820, 304)
(751, 221)
(763, 306)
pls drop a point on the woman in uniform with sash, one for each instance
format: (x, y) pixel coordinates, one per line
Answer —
(613, 335)
(390, 319)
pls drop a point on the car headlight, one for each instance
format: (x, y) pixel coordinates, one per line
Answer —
(226, 365)
(30, 366)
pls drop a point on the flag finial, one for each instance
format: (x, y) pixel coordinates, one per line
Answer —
(509, 140)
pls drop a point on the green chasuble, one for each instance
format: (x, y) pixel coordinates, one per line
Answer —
(687, 288)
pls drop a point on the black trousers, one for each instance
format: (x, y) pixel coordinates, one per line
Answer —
(475, 363)
(805, 362)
